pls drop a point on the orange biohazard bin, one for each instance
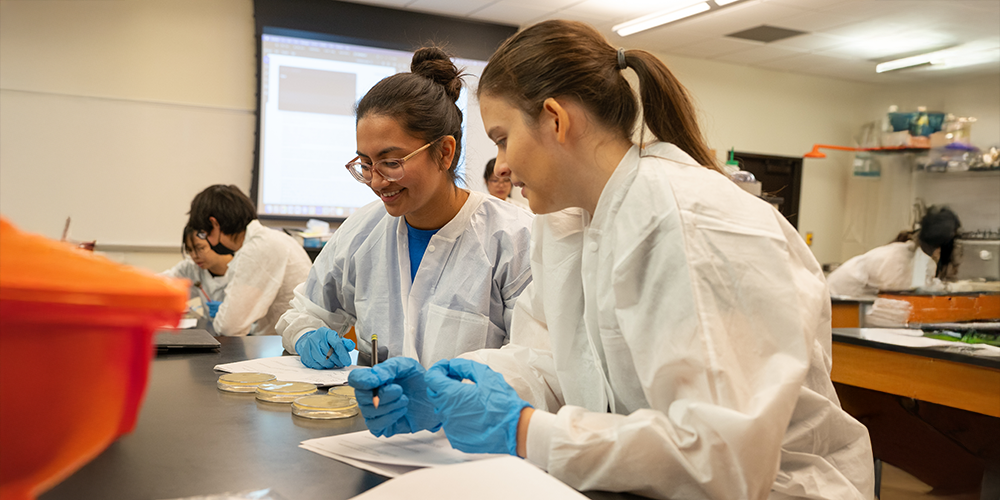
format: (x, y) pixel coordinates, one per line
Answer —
(75, 347)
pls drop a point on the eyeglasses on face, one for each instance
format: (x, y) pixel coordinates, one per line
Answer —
(499, 180)
(391, 169)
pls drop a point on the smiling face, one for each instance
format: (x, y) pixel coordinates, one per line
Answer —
(425, 180)
(525, 151)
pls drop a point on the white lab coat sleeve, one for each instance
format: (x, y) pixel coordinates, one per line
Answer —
(186, 269)
(319, 302)
(716, 339)
(256, 275)
(526, 363)
(516, 269)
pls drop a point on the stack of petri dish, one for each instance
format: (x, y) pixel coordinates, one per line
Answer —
(242, 382)
(279, 391)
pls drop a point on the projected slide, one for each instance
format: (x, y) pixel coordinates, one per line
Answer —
(308, 92)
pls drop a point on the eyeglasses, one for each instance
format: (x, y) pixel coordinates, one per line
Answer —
(390, 169)
(499, 180)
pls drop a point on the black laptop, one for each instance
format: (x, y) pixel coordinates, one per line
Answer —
(190, 339)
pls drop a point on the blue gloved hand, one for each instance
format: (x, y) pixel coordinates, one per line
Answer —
(314, 349)
(480, 417)
(403, 406)
(213, 307)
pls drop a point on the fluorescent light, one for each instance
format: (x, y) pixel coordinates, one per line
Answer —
(720, 3)
(659, 18)
(906, 62)
(964, 55)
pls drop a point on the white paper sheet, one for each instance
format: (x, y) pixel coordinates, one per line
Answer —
(391, 456)
(291, 369)
(186, 323)
(500, 478)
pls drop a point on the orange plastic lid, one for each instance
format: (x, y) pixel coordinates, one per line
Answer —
(40, 270)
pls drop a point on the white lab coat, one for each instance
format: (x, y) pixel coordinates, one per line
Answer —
(683, 338)
(895, 267)
(214, 286)
(262, 276)
(460, 300)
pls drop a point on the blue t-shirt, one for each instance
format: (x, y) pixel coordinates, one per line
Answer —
(418, 240)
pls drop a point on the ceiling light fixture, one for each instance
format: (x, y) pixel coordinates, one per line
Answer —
(963, 55)
(909, 62)
(660, 18)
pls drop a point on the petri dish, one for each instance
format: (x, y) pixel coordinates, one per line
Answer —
(325, 406)
(279, 391)
(342, 390)
(242, 382)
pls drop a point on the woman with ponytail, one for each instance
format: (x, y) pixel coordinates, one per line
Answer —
(431, 268)
(675, 340)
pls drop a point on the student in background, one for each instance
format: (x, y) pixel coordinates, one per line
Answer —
(267, 264)
(675, 340)
(432, 268)
(497, 186)
(912, 261)
(501, 187)
(205, 269)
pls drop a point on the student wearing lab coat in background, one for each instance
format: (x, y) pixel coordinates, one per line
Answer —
(901, 265)
(675, 341)
(431, 268)
(267, 264)
(205, 269)
(501, 186)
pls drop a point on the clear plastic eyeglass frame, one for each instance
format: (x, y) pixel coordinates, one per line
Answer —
(390, 169)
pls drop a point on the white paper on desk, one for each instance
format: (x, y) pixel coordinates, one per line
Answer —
(914, 338)
(393, 455)
(500, 478)
(186, 323)
(291, 369)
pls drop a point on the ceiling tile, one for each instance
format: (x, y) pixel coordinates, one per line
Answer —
(816, 21)
(757, 55)
(715, 47)
(519, 15)
(615, 10)
(811, 42)
(449, 7)
(898, 44)
(808, 4)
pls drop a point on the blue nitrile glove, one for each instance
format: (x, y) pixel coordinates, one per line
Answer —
(478, 418)
(213, 307)
(403, 406)
(314, 349)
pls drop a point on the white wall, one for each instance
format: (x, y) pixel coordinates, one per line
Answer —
(118, 112)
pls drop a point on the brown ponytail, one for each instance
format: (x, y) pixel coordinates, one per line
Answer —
(571, 59)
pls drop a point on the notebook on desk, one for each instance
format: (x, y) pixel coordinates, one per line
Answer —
(184, 339)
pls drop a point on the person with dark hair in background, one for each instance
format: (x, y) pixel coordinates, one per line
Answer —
(431, 268)
(267, 264)
(910, 262)
(675, 341)
(497, 186)
(205, 269)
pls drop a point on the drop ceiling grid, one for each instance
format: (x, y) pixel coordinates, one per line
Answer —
(842, 39)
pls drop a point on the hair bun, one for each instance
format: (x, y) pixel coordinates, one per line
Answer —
(435, 64)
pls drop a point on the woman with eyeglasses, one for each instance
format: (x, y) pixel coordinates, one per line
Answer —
(205, 269)
(431, 268)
